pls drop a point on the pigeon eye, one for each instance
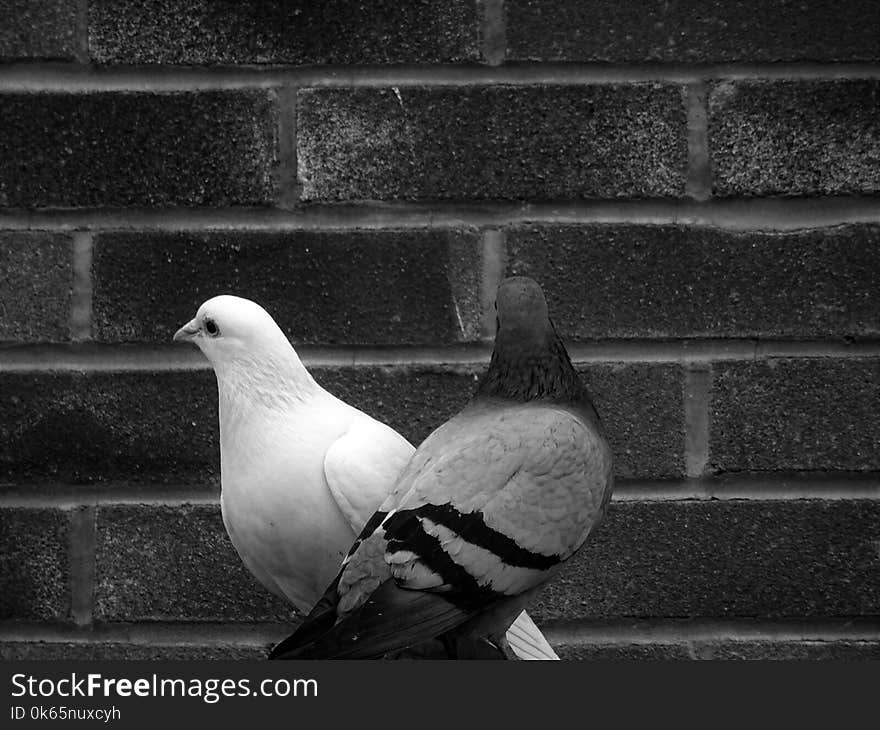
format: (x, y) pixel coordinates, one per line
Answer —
(211, 327)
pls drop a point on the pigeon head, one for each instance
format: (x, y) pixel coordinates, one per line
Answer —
(522, 310)
(231, 330)
(529, 360)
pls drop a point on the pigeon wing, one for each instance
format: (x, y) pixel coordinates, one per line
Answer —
(362, 466)
(496, 502)
(356, 489)
(515, 493)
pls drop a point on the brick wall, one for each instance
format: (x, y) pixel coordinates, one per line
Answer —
(694, 183)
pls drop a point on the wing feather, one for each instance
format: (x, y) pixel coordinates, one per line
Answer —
(361, 467)
(511, 516)
(489, 510)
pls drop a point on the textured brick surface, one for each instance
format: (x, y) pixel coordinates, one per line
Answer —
(692, 30)
(85, 427)
(614, 652)
(118, 149)
(641, 407)
(35, 286)
(673, 281)
(112, 651)
(543, 143)
(388, 287)
(34, 582)
(723, 559)
(795, 137)
(414, 401)
(280, 31)
(37, 29)
(174, 563)
(839, 650)
(162, 427)
(796, 415)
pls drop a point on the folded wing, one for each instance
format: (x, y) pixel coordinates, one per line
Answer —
(494, 502)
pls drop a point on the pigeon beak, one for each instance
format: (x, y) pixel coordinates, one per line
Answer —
(187, 332)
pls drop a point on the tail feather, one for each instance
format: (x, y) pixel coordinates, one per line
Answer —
(527, 641)
(392, 619)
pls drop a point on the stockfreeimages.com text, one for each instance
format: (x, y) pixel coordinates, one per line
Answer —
(209, 690)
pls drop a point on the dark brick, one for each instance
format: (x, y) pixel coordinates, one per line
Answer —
(88, 427)
(117, 149)
(34, 580)
(836, 649)
(141, 426)
(109, 651)
(795, 137)
(614, 652)
(723, 559)
(195, 32)
(815, 414)
(322, 287)
(92, 427)
(166, 563)
(539, 143)
(692, 30)
(33, 29)
(35, 295)
(413, 401)
(115, 651)
(672, 281)
(642, 408)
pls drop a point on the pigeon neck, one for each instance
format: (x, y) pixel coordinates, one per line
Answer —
(538, 369)
(273, 380)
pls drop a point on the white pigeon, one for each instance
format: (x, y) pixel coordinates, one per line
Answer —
(301, 470)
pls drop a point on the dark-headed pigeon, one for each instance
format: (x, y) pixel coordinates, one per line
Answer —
(488, 509)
